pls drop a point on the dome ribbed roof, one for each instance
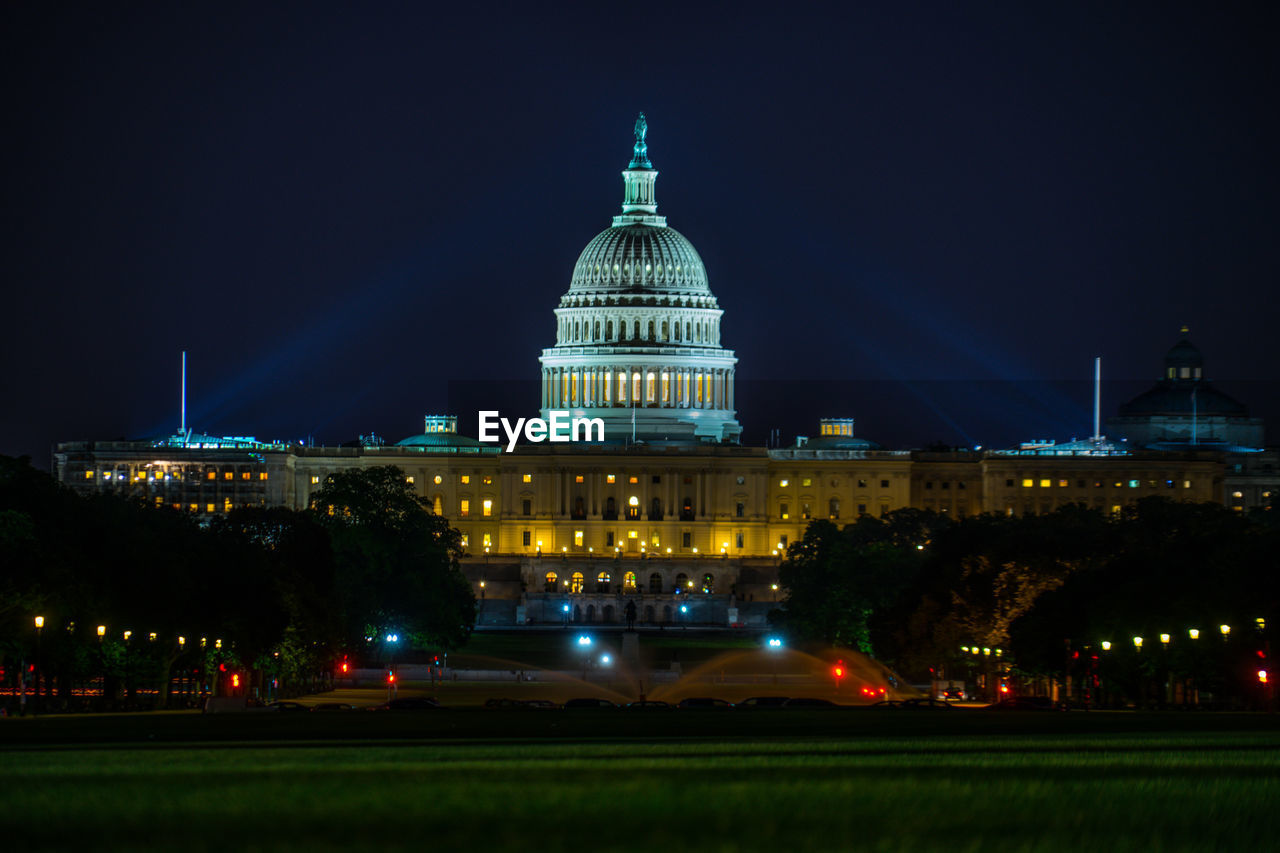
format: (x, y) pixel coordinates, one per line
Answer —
(640, 258)
(1174, 398)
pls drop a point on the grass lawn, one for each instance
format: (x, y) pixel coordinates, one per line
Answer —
(759, 786)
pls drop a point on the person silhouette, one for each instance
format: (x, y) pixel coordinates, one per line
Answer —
(631, 615)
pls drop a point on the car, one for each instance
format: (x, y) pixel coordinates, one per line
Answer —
(704, 703)
(809, 702)
(333, 706)
(886, 705)
(925, 705)
(756, 702)
(539, 705)
(952, 693)
(416, 703)
(648, 705)
(287, 707)
(1026, 703)
(588, 702)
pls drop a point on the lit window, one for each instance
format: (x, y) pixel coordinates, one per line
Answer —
(1186, 484)
(208, 507)
(226, 505)
(1027, 482)
(464, 507)
(784, 510)
(262, 475)
(1133, 484)
(409, 480)
(488, 540)
(437, 479)
(191, 507)
(578, 479)
(88, 475)
(809, 482)
(487, 480)
(466, 540)
(633, 501)
(314, 479)
(527, 478)
(244, 475)
(1237, 494)
(1062, 484)
(1115, 509)
(633, 480)
(1045, 483)
(466, 479)
(655, 540)
(631, 534)
(609, 478)
(213, 475)
(577, 537)
(488, 508)
(227, 475)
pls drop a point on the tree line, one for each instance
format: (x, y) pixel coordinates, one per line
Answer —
(1140, 597)
(261, 597)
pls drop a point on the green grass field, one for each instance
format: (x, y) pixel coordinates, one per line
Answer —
(555, 782)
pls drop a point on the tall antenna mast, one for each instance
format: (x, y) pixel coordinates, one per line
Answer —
(183, 427)
(1097, 398)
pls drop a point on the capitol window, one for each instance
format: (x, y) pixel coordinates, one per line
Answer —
(465, 479)
(464, 507)
(528, 478)
(409, 480)
(314, 479)
(487, 508)
(1027, 483)
(578, 478)
(577, 538)
(437, 479)
(609, 478)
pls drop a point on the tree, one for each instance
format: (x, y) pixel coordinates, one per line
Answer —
(396, 563)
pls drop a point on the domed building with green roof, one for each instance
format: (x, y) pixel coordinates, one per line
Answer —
(1184, 410)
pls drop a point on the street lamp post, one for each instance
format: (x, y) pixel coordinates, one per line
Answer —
(584, 644)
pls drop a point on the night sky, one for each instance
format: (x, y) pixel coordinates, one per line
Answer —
(338, 212)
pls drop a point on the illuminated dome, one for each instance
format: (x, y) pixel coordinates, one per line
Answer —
(638, 332)
(640, 259)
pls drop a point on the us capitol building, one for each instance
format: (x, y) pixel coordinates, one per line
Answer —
(670, 511)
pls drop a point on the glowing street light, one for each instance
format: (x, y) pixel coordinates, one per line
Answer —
(1225, 629)
(182, 641)
(1137, 643)
(1164, 639)
(1106, 645)
(39, 623)
(584, 641)
(1193, 633)
(393, 638)
(605, 660)
(775, 643)
(102, 631)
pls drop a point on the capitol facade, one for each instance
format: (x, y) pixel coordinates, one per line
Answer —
(670, 512)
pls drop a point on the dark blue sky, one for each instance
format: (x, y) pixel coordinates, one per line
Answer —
(336, 211)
